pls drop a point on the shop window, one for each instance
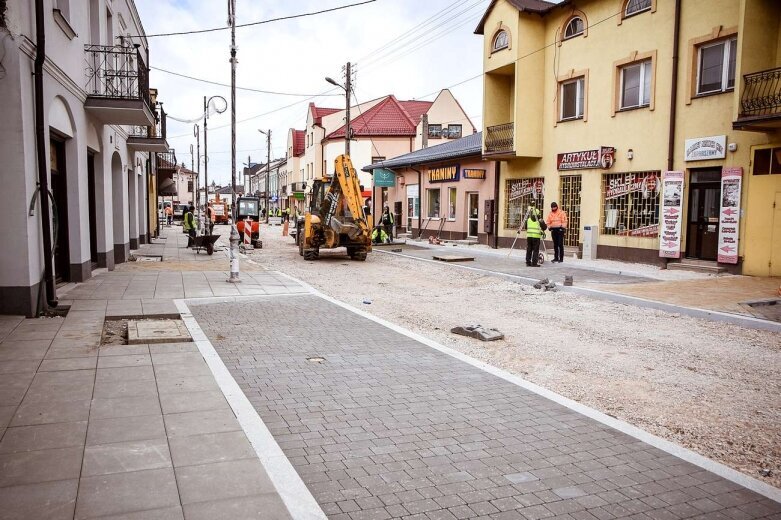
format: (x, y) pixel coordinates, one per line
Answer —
(636, 85)
(501, 41)
(433, 203)
(435, 131)
(454, 131)
(634, 7)
(452, 198)
(630, 204)
(413, 204)
(519, 194)
(716, 66)
(572, 97)
(767, 161)
(574, 27)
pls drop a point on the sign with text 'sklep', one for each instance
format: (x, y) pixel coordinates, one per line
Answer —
(729, 215)
(672, 215)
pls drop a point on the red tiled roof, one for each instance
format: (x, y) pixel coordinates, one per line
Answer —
(415, 109)
(387, 117)
(299, 136)
(319, 112)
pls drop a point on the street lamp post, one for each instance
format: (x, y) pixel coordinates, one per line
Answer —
(206, 104)
(234, 236)
(347, 87)
(267, 133)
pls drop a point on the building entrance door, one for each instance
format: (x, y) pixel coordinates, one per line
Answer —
(474, 205)
(775, 240)
(569, 201)
(59, 190)
(702, 230)
(93, 211)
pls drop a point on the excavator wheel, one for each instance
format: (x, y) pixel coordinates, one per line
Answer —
(357, 254)
(300, 246)
(311, 254)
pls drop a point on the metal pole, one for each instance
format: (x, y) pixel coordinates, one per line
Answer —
(347, 91)
(205, 155)
(268, 170)
(234, 236)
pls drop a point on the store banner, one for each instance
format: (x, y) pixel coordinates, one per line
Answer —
(384, 178)
(470, 173)
(587, 159)
(520, 188)
(644, 182)
(705, 148)
(672, 215)
(444, 174)
(729, 216)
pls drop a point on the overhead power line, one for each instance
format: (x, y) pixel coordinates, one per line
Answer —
(261, 22)
(248, 89)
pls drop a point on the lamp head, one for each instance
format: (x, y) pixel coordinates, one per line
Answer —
(333, 82)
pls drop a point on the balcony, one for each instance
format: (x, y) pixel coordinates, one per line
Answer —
(117, 85)
(149, 138)
(760, 102)
(166, 167)
(499, 140)
(166, 161)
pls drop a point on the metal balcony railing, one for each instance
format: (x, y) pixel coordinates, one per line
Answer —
(166, 160)
(761, 94)
(500, 138)
(151, 132)
(116, 72)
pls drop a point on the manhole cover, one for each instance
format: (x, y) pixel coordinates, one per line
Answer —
(316, 359)
(156, 331)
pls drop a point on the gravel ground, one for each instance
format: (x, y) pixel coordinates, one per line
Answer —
(712, 387)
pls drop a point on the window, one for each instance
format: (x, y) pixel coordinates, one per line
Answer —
(572, 97)
(574, 28)
(716, 69)
(435, 131)
(433, 203)
(767, 161)
(454, 131)
(451, 208)
(630, 204)
(413, 204)
(636, 6)
(636, 85)
(519, 194)
(190, 186)
(501, 41)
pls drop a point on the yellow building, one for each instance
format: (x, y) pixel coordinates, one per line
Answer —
(590, 103)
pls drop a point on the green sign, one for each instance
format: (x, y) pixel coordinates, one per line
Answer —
(384, 178)
(299, 195)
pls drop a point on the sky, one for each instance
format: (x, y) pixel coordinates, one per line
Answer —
(409, 48)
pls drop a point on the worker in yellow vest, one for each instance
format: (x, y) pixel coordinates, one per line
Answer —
(533, 236)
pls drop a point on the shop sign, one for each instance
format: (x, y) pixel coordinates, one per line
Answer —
(444, 174)
(729, 215)
(299, 195)
(704, 148)
(413, 191)
(672, 215)
(645, 182)
(384, 178)
(602, 158)
(520, 188)
(474, 174)
(645, 231)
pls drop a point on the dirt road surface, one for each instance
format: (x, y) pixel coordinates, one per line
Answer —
(711, 387)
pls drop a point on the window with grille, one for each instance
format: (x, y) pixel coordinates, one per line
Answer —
(435, 131)
(574, 28)
(454, 131)
(636, 85)
(630, 204)
(519, 194)
(636, 6)
(501, 41)
(570, 187)
(572, 97)
(767, 161)
(716, 70)
(433, 202)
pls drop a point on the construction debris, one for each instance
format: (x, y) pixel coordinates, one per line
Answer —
(546, 285)
(478, 332)
(454, 258)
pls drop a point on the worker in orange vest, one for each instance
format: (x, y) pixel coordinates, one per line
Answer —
(169, 214)
(557, 223)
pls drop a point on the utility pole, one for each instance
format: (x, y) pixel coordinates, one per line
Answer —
(205, 155)
(424, 130)
(234, 236)
(198, 171)
(348, 84)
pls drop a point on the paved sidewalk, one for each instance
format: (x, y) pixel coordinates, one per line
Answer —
(382, 426)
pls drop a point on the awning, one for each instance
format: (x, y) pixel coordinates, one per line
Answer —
(166, 184)
(384, 178)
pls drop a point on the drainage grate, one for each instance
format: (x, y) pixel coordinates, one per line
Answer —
(316, 359)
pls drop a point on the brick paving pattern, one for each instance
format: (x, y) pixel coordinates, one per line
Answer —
(386, 427)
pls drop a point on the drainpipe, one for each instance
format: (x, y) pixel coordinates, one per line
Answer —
(673, 94)
(40, 143)
(420, 199)
(496, 205)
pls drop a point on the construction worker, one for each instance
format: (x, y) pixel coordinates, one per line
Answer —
(557, 223)
(189, 226)
(533, 235)
(287, 214)
(210, 219)
(169, 214)
(387, 221)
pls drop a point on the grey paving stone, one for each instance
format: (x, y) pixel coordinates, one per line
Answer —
(193, 401)
(197, 423)
(210, 448)
(125, 407)
(19, 366)
(187, 384)
(125, 373)
(121, 429)
(15, 350)
(268, 505)
(13, 388)
(168, 513)
(54, 500)
(120, 457)
(124, 350)
(222, 480)
(31, 467)
(125, 360)
(44, 437)
(121, 389)
(50, 412)
(105, 495)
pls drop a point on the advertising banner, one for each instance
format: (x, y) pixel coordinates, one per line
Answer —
(520, 188)
(729, 215)
(645, 182)
(705, 148)
(672, 215)
(587, 159)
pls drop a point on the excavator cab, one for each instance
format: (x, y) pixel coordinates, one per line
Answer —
(249, 208)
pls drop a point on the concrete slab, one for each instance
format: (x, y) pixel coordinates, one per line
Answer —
(156, 331)
(454, 258)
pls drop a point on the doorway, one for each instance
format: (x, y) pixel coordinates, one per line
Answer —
(93, 211)
(472, 216)
(569, 200)
(775, 240)
(702, 230)
(59, 190)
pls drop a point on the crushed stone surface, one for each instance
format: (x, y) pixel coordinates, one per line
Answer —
(712, 387)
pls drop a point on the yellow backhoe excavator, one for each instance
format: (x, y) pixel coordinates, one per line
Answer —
(335, 217)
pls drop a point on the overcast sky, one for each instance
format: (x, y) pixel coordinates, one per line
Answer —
(294, 56)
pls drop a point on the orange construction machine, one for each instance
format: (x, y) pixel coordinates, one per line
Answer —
(249, 210)
(220, 207)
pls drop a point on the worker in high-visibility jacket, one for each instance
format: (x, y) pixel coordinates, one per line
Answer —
(533, 236)
(557, 223)
(189, 226)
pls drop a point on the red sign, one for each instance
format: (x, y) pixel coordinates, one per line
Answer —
(630, 183)
(588, 159)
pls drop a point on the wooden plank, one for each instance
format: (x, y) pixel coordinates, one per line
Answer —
(454, 258)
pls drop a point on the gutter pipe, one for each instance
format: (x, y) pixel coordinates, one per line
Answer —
(40, 143)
